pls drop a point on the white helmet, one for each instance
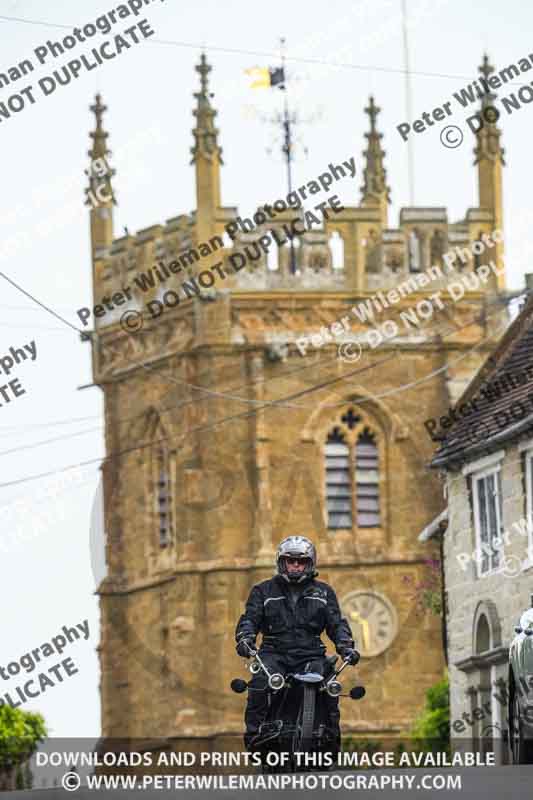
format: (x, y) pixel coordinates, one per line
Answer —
(296, 546)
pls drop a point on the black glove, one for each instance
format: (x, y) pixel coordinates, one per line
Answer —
(349, 654)
(242, 650)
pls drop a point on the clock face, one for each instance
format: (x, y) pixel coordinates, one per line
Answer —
(373, 620)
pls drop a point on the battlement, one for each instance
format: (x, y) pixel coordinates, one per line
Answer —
(323, 257)
(352, 248)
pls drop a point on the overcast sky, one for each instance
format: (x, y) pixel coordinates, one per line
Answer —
(47, 576)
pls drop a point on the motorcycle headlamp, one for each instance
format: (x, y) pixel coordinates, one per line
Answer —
(276, 681)
(334, 688)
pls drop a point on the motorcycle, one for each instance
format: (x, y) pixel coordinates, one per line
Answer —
(297, 727)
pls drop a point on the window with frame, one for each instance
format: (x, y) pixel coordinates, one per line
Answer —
(488, 520)
(528, 459)
(164, 498)
(352, 475)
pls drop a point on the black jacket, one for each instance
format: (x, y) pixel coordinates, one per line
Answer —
(270, 612)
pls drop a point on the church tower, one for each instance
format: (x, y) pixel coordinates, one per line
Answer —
(228, 428)
(489, 157)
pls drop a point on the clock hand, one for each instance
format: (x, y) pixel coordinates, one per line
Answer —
(364, 624)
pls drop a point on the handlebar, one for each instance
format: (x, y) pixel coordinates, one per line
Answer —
(254, 655)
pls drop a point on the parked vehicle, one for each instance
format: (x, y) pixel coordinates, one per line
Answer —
(521, 691)
(297, 720)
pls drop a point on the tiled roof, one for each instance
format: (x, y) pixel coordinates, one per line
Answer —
(497, 406)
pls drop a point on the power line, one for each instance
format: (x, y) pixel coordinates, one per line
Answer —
(199, 429)
(50, 310)
(34, 445)
(268, 54)
(176, 381)
(201, 388)
(145, 366)
(16, 428)
(49, 441)
(246, 414)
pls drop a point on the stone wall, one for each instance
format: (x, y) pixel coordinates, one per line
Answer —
(503, 597)
(168, 614)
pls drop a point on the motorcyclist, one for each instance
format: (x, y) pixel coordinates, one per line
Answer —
(291, 610)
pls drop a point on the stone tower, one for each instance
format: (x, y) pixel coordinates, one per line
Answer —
(222, 438)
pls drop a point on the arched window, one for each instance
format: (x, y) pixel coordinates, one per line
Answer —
(338, 481)
(415, 252)
(336, 246)
(291, 250)
(352, 475)
(477, 256)
(227, 241)
(482, 635)
(272, 257)
(373, 252)
(164, 498)
(436, 248)
(367, 480)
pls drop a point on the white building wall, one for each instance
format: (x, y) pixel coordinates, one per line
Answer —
(509, 590)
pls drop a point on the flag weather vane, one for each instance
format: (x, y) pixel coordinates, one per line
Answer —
(271, 77)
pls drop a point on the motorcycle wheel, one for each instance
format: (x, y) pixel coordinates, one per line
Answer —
(303, 737)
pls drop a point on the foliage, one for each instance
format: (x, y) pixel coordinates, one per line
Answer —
(24, 777)
(428, 593)
(370, 746)
(20, 733)
(431, 731)
(361, 745)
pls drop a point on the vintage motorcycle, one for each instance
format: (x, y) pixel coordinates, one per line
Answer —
(297, 720)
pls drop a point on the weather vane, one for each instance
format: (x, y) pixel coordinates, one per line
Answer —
(272, 77)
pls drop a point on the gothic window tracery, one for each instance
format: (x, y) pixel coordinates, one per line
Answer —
(352, 475)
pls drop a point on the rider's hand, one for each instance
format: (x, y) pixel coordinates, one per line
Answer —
(349, 654)
(242, 650)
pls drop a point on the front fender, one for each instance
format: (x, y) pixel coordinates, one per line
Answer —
(308, 677)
